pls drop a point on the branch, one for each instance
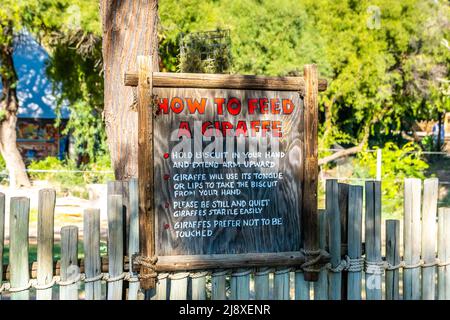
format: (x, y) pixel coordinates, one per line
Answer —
(413, 138)
(358, 148)
(343, 153)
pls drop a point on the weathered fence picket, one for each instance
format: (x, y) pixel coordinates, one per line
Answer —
(133, 239)
(444, 254)
(218, 285)
(92, 260)
(2, 236)
(179, 285)
(392, 291)
(281, 284)
(334, 222)
(343, 190)
(354, 242)
(115, 246)
(429, 212)
(240, 284)
(198, 285)
(162, 288)
(18, 248)
(302, 287)
(374, 264)
(262, 283)
(45, 239)
(347, 251)
(321, 285)
(70, 271)
(412, 237)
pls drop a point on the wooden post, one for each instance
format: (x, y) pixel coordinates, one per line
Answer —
(145, 165)
(393, 259)
(45, 239)
(115, 245)
(92, 261)
(69, 263)
(429, 212)
(198, 285)
(444, 254)
(309, 199)
(262, 283)
(18, 246)
(321, 286)
(334, 222)
(281, 284)
(2, 234)
(373, 239)
(179, 285)
(411, 234)
(133, 240)
(240, 284)
(354, 240)
(218, 285)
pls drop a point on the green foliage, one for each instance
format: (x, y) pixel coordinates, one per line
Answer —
(383, 74)
(76, 67)
(397, 164)
(3, 172)
(67, 177)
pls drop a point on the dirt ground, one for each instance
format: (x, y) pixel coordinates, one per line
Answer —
(68, 209)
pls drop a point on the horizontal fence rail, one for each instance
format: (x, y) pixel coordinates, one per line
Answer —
(415, 265)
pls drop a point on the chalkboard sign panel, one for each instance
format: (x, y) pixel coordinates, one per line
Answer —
(227, 170)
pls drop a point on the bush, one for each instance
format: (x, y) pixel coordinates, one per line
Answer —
(397, 164)
(68, 178)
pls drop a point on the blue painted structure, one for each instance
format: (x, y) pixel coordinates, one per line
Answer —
(37, 99)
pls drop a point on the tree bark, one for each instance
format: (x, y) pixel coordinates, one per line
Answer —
(129, 29)
(8, 119)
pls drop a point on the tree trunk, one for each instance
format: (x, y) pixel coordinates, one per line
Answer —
(129, 29)
(8, 107)
(13, 159)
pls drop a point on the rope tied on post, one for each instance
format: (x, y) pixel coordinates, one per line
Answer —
(315, 263)
(338, 268)
(146, 262)
(374, 267)
(354, 264)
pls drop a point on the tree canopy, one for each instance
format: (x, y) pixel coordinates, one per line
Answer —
(387, 62)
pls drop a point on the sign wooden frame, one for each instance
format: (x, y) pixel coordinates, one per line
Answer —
(308, 86)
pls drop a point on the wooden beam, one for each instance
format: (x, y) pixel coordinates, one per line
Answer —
(263, 260)
(145, 165)
(223, 81)
(201, 262)
(198, 262)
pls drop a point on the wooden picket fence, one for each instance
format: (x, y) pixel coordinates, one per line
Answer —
(357, 269)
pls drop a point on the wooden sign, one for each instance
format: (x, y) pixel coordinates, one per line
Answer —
(227, 168)
(228, 165)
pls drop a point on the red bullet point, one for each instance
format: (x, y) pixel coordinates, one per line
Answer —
(166, 226)
(166, 155)
(166, 205)
(166, 177)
